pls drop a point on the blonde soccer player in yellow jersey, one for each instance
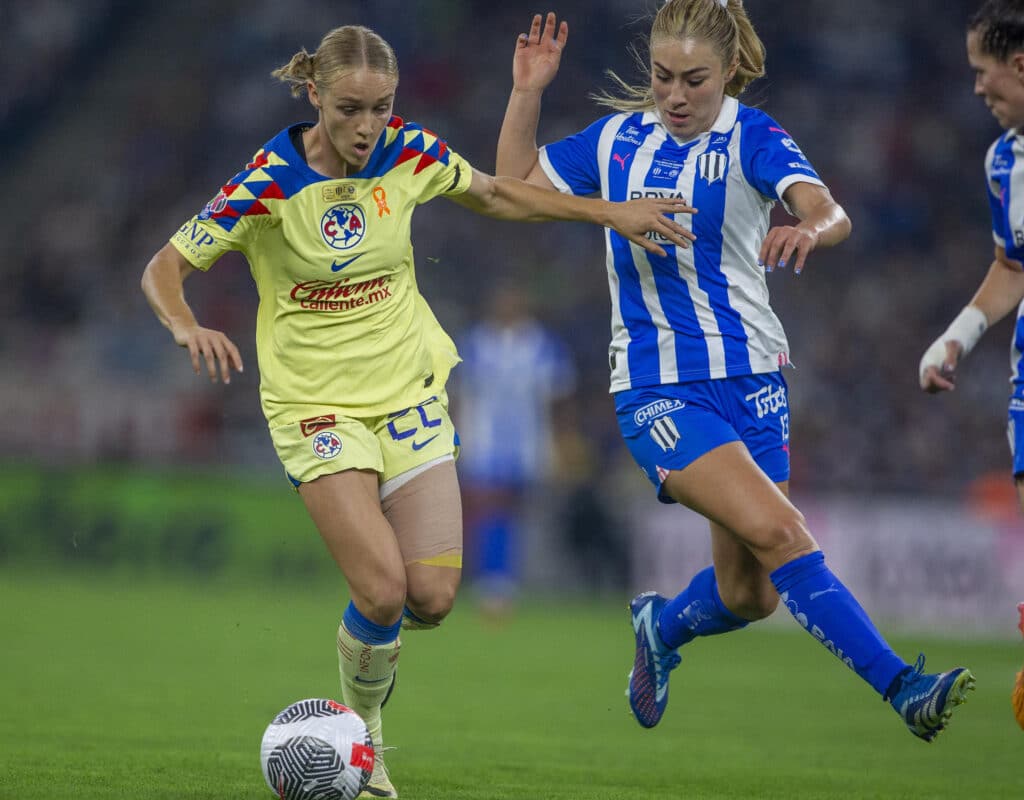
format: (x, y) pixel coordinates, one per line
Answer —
(352, 361)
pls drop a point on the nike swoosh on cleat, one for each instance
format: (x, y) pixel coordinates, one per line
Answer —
(424, 443)
(335, 267)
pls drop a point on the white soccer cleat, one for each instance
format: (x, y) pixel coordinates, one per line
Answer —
(380, 784)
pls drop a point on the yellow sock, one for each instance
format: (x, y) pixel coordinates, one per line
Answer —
(366, 674)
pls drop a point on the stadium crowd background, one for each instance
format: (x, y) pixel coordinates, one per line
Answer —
(118, 121)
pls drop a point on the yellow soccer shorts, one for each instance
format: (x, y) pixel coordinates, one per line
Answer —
(391, 445)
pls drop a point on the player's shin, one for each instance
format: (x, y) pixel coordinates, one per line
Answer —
(367, 658)
(831, 614)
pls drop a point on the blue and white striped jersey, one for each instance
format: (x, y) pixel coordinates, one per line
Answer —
(700, 312)
(1004, 169)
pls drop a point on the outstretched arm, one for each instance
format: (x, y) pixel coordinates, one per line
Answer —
(513, 199)
(162, 283)
(534, 66)
(823, 223)
(1000, 293)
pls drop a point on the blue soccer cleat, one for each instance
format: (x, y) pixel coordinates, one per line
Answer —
(648, 681)
(926, 702)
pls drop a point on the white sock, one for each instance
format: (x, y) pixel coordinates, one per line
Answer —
(366, 674)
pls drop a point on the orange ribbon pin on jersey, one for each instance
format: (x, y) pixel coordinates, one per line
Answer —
(381, 198)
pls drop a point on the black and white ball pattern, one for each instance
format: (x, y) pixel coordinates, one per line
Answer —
(317, 749)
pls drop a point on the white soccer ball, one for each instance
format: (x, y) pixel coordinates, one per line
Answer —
(317, 749)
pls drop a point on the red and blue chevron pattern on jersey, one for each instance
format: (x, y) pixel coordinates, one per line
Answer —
(266, 177)
(405, 142)
(417, 147)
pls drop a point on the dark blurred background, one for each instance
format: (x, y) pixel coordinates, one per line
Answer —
(118, 121)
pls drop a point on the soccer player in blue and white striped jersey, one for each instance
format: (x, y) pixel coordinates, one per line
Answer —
(696, 350)
(995, 51)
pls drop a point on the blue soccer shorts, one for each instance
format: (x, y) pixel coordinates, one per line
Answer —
(1015, 431)
(669, 427)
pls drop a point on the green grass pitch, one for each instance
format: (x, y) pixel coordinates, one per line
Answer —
(111, 688)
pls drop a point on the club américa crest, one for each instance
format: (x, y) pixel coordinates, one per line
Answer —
(326, 445)
(343, 226)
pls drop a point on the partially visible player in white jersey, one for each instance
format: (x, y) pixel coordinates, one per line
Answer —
(696, 350)
(352, 362)
(995, 51)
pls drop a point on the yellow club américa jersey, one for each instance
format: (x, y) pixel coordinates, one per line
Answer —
(341, 325)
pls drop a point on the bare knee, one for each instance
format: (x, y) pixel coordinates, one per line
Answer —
(382, 602)
(433, 603)
(780, 537)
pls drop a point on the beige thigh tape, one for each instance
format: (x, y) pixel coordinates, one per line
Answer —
(426, 516)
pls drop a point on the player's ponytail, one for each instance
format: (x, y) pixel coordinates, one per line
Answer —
(297, 72)
(342, 50)
(750, 52)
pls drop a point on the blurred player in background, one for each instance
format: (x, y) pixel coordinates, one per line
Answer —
(696, 349)
(353, 363)
(995, 51)
(514, 372)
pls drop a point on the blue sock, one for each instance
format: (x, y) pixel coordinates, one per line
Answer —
(832, 615)
(370, 632)
(411, 615)
(696, 611)
(496, 541)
